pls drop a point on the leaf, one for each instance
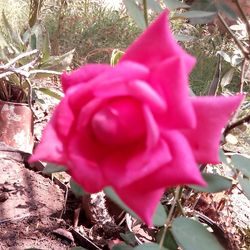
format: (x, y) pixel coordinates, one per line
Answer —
(226, 10)
(192, 235)
(149, 246)
(122, 247)
(197, 14)
(242, 163)
(153, 5)
(135, 12)
(13, 34)
(76, 189)
(159, 216)
(46, 49)
(129, 238)
(205, 5)
(58, 62)
(51, 93)
(52, 168)
(169, 241)
(227, 78)
(183, 38)
(175, 4)
(216, 183)
(245, 185)
(223, 157)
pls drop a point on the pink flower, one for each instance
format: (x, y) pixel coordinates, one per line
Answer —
(134, 127)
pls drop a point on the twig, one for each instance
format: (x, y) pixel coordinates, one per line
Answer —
(145, 10)
(169, 218)
(244, 17)
(236, 124)
(238, 43)
(242, 75)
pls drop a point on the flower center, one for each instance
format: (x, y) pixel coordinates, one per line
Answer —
(120, 122)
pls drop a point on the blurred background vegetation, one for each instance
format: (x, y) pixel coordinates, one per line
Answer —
(95, 30)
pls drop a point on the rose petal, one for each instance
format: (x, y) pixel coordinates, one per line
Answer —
(50, 149)
(134, 163)
(156, 44)
(143, 203)
(83, 161)
(82, 75)
(212, 115)
(171, 80)
(153, 132)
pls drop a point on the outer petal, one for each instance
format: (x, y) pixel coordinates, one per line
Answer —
(50, 149)
(181, 170)
(142, 203)
(84, 171)
(156, 44)
(212, 115)
(82, 75)
(170, 79)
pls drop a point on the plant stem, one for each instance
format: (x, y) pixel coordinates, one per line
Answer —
(145, 9)
(244, 17)
(236, 124)
(170, 215)
(244, 51)
(242, 75)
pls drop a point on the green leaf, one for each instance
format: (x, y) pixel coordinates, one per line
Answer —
(33, 41)
(175, 4)
(76, 189)
(58, 62)
(192, 235)
(122, 247)
(52, 168)
(169, 241)
(222, 156)
(160, 216)
(242, 163)
(158, 219)
(135, 12)
(13, 34)
(153, 5)
(149, 246)
(51, 93)
(216, 183)
(245, 185)
(227, 10)
(129, 238)
(183, 38)
(197, 14)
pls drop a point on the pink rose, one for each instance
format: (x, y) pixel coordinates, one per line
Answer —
(134, 126)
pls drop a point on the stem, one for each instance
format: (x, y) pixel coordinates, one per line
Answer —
(244, 17)
(236, 124)
(170, 215)
(145, 9)
(242, 75)
(238, 43)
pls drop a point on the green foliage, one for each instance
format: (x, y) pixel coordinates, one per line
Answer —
(215, 183)
(192, 235)
(52, 168)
